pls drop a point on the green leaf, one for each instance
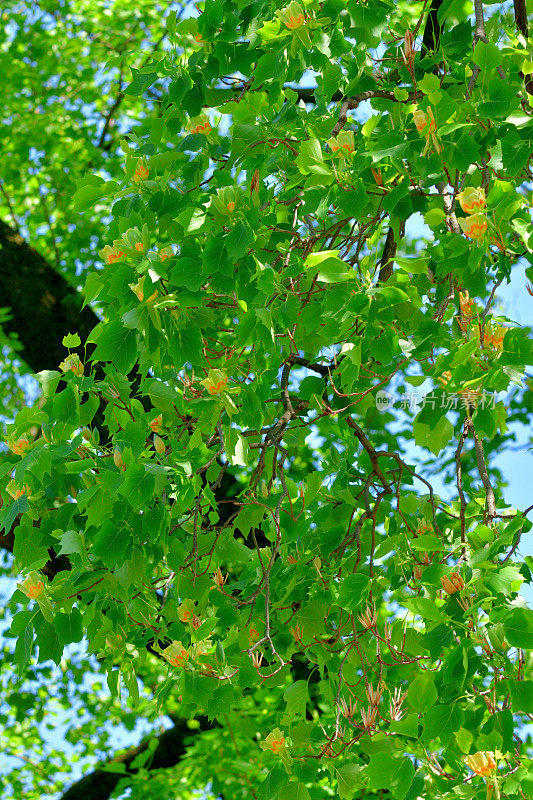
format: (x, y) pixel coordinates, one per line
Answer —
(141, 81)
(296, 698)
(110, 543)
(116, 344)
(522, 695)
(386, 772)
(24, 646)
(487, 55)
(353, 591)
(349, 778)
(71, 542)
(274, 781)
(329, 267)
(48, 378)
(47, 641)
(239, 239)
(294, 791)
(422, 693)
(424, 607)
(441, 722)
(69, 627)
(518, 626)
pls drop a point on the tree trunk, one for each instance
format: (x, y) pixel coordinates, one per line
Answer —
(170, 749)
(43, 305)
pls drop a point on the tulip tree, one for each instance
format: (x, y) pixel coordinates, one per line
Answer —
(247, 516)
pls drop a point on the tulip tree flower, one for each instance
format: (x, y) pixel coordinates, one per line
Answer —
(482, 763)
(111, 254)
(19, 446)
(467, 305)
(343, 145)
(33, 588)
(493, 336)
(176, 654)
(138, 290)
(472, 199)
(293, 17)
(156, 423)
(200, 124)
(134, 242)
(186, 611)
(16, 491)
(474, 226)
(74, 363)
(216, 381)
(225, 201)
(275, 742)
(166, 252)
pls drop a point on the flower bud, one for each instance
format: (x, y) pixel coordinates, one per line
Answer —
(117, 458)
(159, 444)
(141, 171)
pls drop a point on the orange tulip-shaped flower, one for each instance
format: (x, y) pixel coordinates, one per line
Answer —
(19, 446)
(32, 586)
(200, 124)
(112, 254)
(343, 145)
(467, 305)
(166, 252)
(176, 654)
(156, 423)
(472, 199)
(186, 611)
(482, 763)
(253, 634)
(292, 16)
(74, 363)
(216, 381)
(275, 742)
(474, 226)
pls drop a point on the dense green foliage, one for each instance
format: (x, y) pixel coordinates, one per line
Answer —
(245, 524)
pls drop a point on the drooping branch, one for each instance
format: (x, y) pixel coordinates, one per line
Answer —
(170, 749)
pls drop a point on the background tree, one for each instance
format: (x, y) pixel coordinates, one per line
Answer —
(261, 284)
